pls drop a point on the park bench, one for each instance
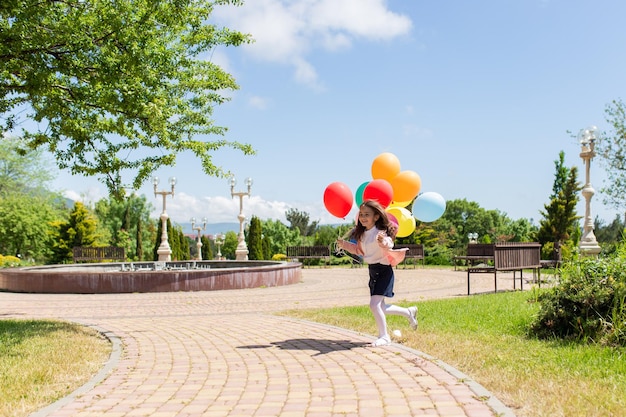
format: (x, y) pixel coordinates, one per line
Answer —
(510, 256)
(98, 254)
(476, 253)
(415, 252)
(299, 253)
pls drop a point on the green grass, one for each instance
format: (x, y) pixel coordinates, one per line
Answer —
(485, 337)
(42, 361)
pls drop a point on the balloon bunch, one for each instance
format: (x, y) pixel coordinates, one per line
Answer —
(393, 189)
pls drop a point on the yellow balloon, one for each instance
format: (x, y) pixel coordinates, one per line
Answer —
(406, 186)
(399, 203)
(385, 166)
(406, 221)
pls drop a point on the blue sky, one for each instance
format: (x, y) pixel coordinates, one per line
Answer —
(476, 97)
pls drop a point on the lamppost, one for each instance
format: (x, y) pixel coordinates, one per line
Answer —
(219, 241)
(588, 244)
(164, 251)
(242, 250)
(473, 237)
(199, 241)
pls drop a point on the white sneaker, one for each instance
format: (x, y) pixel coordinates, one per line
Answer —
(413, 317)
(381, 341)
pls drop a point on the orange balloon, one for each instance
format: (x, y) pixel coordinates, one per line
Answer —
(385, 166)
(406, 185)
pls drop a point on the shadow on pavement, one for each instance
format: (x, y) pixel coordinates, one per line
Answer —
(322, 346)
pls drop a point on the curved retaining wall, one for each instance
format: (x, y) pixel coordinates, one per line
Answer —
(149, 277)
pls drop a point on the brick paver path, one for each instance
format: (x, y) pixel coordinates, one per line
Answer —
(223, 353)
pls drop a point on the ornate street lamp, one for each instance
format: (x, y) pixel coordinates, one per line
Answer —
(164, 251)
(242, 250)
(588, 244)
(199, 240)
(219, 241)
(472, 237)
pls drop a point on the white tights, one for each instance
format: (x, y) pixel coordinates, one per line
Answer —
(380, 309)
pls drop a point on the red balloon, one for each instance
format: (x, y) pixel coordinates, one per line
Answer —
(379, 190)
(338, 199)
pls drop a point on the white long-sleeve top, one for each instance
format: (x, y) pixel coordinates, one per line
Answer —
(375, 252)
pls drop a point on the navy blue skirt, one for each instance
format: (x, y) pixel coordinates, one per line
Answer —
(381, 280)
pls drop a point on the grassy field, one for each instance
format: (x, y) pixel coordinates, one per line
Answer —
(42, 361)
(485, 337)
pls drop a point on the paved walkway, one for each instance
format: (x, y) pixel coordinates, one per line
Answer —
(223, 353)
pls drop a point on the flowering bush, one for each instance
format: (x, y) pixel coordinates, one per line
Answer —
(9, 261)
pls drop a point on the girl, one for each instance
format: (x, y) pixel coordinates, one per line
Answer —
(374, 234)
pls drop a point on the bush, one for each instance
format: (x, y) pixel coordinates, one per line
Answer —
(588, 304)
(9, 261)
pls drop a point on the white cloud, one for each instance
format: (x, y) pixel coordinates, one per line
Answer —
(89, 197)
(220, 209)
(286, 31)
(257, 102)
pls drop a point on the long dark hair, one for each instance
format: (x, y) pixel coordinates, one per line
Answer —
(382, 223)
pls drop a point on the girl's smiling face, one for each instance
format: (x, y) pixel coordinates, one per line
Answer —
(368, 217)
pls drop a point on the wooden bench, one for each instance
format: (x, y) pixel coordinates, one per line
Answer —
(309, 252)
(511, 256)
(476, 252)
(98, 254)
(416, 252)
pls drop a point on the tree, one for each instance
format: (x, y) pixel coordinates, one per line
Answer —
(79, 230)
(115, 88)
(176, 239)
(124, 219)
(611, 151)
(609, 236)
(25, 225)
(300, 220)
(463, 217)
(231, 240)
(559, 225)
(279, 236)
(27, 208)
(21, 171)
(207, 248)
(254, 239)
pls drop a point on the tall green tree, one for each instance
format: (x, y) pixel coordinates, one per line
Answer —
(176, 239)
(280, 236)
(25, 225)
(80, 229)
(462, 217)
(231, 240)
(124, 219)
(115, 87)
(254, 239)
(207, 248)
(27, 208)
(559, 225)
(300, 220)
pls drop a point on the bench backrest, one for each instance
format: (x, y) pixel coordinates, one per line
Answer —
(480, 249)
(517, 255)
(88, 253)
(308, 251)
(415, 250)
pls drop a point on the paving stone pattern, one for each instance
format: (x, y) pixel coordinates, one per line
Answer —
(223, 353)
